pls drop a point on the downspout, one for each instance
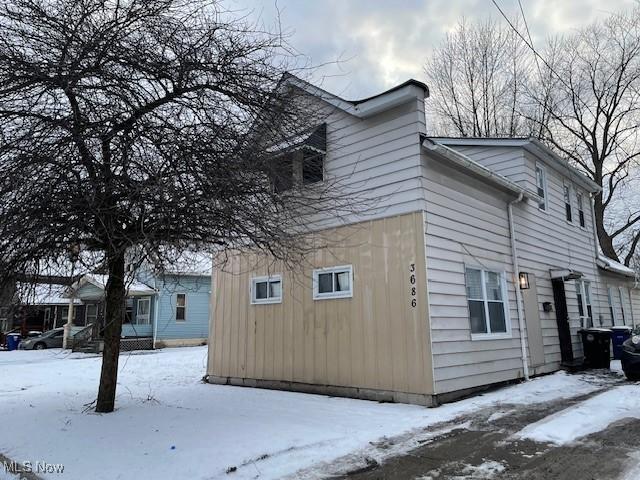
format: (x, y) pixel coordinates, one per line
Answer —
(155, 312)
(516, 270)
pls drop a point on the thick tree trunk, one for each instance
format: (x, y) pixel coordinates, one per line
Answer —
(606, 242)
(114, 313)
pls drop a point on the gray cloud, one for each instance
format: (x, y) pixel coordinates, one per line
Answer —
(371, 45)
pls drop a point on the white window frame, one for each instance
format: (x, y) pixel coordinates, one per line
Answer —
(268, 279)
(505, 303)
(148, 315)
(585, 304)
(567, 190)
(341, 294)
(545, 187)
(175, 311)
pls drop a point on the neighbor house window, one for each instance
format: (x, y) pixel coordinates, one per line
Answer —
(64, 315)
(612, 306)
(47, 315)
(487, 301)
(143, 311)
(567, 203)
(181, 307)
(128, 310)
(541, 182)
(303, 167)
(334, 282)
(266, 289)
(579, 200)
(91, 313)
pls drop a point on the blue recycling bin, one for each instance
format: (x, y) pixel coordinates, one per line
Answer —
(13, 340)
(618, 336)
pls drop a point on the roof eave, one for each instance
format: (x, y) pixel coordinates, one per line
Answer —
(477, 170)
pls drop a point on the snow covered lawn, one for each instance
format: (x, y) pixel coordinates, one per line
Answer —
(169, 424)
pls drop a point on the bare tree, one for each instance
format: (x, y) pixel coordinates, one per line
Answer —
(132, 130)
(478, 78)
(591, 91)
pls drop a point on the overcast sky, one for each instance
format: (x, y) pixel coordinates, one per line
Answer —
(382, 43)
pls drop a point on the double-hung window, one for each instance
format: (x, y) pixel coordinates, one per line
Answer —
(541, 183)
(266, 289)
(334, 282)
(181, 307)
(486, 298)
(580, 202)
(567, 203)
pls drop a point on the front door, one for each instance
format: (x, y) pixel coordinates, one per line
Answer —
(562, 318)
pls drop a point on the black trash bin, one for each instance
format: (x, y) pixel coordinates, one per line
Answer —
(596, 343)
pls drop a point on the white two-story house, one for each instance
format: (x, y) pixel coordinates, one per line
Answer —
(475, 263)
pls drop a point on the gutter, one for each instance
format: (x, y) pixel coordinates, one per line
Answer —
(519, 300)
(155, 313)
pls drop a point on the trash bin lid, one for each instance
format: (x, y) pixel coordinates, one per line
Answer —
(623, 328)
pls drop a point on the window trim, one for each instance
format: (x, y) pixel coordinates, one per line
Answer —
(545, 187)
(586, 306)
(505, 303)
(269, 300)
(341, 294)
(175, 312)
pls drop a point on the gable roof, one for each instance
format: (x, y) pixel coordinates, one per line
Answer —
(533, 146)
(395, 96)
(477, 170)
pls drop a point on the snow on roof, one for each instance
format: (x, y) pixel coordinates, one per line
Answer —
(43, 294)
(190, 263)
(606, 263)
(134, 287)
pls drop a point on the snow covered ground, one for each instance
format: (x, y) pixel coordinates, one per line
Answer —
(169, 424)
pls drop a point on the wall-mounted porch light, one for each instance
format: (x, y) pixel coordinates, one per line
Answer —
(523, 280)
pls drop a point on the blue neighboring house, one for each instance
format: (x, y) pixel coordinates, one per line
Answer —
(167, 310)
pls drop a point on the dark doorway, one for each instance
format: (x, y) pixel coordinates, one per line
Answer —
(562, 318)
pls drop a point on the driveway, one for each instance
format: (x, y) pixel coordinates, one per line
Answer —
(490, 445)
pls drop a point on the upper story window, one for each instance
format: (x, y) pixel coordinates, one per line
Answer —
(333, 282)
(266, 289)
(541, 183)
(567, 203)
(486, 298)
(580, 204)
(298, 168)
